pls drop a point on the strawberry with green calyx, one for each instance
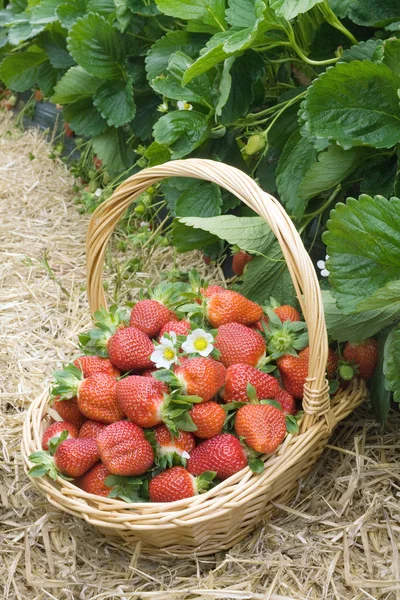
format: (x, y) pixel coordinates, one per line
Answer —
(198, 376)
(239, 376)
(285, 312)
(262, 425)
(149, 315)
(124, 449)
(106, 323)
(240, 260)
(223, 454)
(96, 395)
(359, 359)
(43, 459)
(171, 450)
(54, 431)
(240, 344)
(232, 307)
(129, 489)
(209, 418)
(93, 482)
(284, 337)
(145, 401)
(89, 365)
(69, 411)
(91, 429)
(177, 483)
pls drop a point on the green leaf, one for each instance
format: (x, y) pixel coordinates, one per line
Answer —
(355, 104)
(392, 55)
(110, 147)
(256, 465)
(267, 276)
(160, 52)
(363, 243)
(332, 167)
(55, 45)
(370, 50)
(387, 296)
(200, 199)
(287, 123)
(46, 78)
(380, 396)
(114, 101)
(297, 157)
(374, 13)
(292, 425)
(97, 47)
(241, 13)
(391, 365)
(355, 327)
(23, 30)
(19, 71)
(289, 9)
(146, 115)
(380, 177)
(182, 131)
(186, 238)
(157, 154)
(45, 12)
(210, 12)
(101, 7)
(274, 403)
(84, 118)
(70, 11)
(75, 85)
(170, 84)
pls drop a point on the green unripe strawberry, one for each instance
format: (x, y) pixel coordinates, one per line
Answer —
(255, 143)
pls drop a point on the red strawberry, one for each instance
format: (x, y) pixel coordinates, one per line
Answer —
(332, 364)
(56, 429)
(91, 429)
(229, 307)
(239, 344)
(240, 375)
(223, 454)
(262, 426)
(75, 456)
(124, 450)
(294, 371)
(201, 376)
(211, 290)
(149, 316)
(177, 483)
(38, 95)
(142, 399)
(178, 327)
(89, 365)
(206, 259)
(168, 447)
(287, 313)
(148, 373)
(239, 261)
(97, 163)
(69, 411)
(364, 356)
(68, 131)
(129, 349)
(287, 402)
(93, 481)
(259, 325)
(209, 418)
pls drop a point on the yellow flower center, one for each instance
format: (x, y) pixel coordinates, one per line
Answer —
(169, 354)
(200, 344)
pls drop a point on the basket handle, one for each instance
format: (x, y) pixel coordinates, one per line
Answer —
(316, 401)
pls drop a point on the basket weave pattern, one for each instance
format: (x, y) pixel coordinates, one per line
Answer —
(222, 516)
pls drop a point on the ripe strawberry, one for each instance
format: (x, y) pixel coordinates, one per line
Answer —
(170, 448)
(38, 95)
(177, 483)
(206, 259)
(287, 402)
(75, 456)
(332, 364)
(209, 418)
(239, 261)
(178, 327)
(239, 344)
(96, 395)
(223, 454)
(149, 316)
(364, 356)
(69, 411)
(229, 307)
(91, 429)
(148, 373)
(211, 290)
(55, 430)
(240, 375)
(294, 371)
(259, 325)
(262, 426)
(68, 131)
(89, 365)
(287, 313)
(200, 376)
(93, 481)
(129, 349)
(97, 163)
(124, 450)
(141, 399)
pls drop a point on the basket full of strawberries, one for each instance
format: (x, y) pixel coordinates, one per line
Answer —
(183, 417)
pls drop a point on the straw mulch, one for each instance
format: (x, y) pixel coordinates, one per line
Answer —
(339, 539)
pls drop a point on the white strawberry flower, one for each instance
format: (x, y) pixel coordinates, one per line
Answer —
(198, 342)
(321, 265)
(165, 353)
(183, 105)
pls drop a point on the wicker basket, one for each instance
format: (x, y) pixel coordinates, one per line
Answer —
(224, 515)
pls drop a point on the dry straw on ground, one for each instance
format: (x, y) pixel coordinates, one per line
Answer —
(339, 539)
